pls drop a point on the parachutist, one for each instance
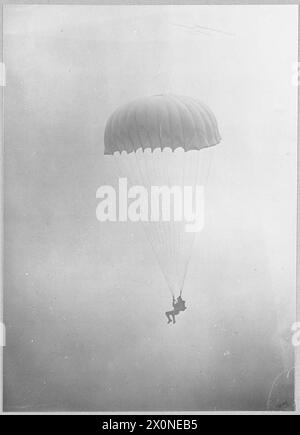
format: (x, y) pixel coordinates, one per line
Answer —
(178, 306)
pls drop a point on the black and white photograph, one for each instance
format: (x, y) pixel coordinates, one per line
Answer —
(149, 189)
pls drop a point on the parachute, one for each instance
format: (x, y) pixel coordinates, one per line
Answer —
(164, 140)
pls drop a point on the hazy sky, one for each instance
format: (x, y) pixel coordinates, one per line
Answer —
(84, 301)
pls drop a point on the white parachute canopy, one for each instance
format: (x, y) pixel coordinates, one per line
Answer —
(164, 140)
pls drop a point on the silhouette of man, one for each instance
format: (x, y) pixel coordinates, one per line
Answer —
(178, 306)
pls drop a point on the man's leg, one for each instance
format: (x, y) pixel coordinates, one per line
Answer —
(168, 314)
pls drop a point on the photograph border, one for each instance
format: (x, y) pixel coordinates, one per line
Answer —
(2, 85)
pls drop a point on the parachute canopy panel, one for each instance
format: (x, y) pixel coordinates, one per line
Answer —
(161, 121)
